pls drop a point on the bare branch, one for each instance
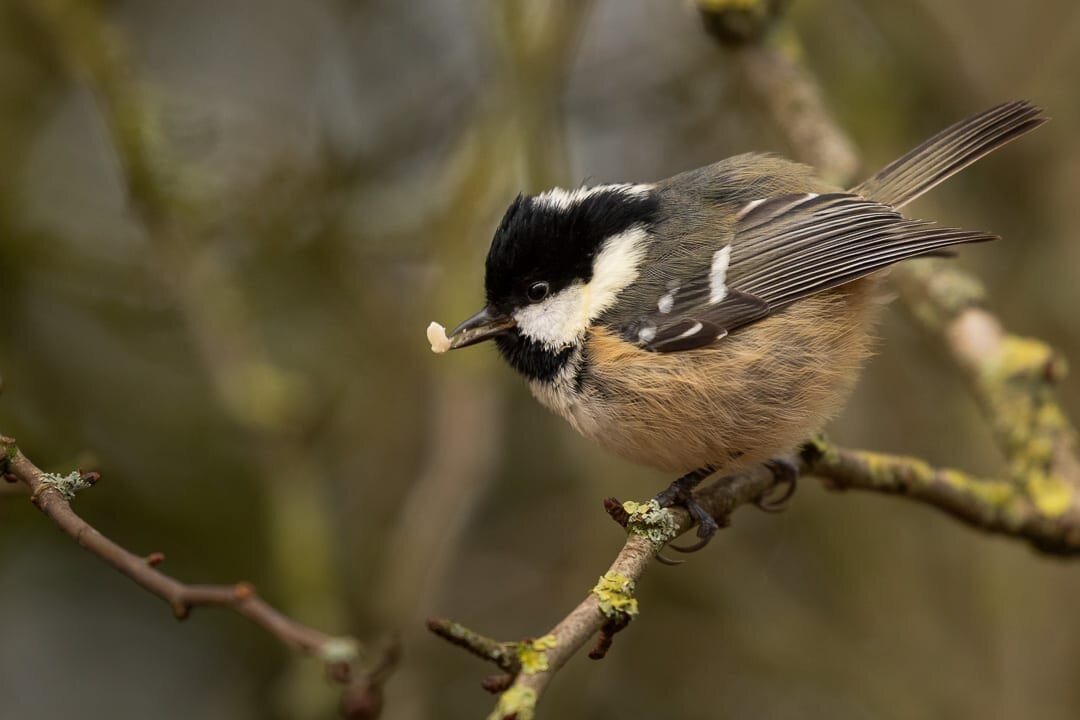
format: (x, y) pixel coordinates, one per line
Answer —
(51, 495)
(276, 406)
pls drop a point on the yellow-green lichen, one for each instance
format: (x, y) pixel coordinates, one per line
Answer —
(993, 493)
(1050, 417)
(1019, 357)
(818, 450)
(1050, 493)
(615, 592)
(517, 702)
(889, 470)
(1013, 384)
(1028, 422)
(651, 521)
(533, 654)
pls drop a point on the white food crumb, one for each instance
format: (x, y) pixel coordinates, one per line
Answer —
(436, 335)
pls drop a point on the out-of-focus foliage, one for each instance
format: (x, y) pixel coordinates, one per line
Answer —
(258, 394)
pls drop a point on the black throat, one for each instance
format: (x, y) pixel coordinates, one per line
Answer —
(531, 358)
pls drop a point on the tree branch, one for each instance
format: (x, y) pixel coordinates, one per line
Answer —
(51, 495)
(1012, 377)
(608, 607)
(997, 506)
(274, 405)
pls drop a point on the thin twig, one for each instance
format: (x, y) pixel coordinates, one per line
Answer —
(338, 653)
(588, 618)
(275, 407)
(483, 647)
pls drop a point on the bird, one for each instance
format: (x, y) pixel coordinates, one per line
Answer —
(717, 319)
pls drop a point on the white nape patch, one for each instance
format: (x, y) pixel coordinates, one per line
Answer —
(647, 333)
(667, 301)
(562, 319)
(565, 199)
(718, 274)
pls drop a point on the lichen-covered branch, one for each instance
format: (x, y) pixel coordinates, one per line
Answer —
(608, 607)
(991, 505)
(1038, 499)
(998, 506)
(52, 495)
(1012, 377)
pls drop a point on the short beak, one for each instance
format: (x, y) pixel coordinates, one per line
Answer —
(484, 325)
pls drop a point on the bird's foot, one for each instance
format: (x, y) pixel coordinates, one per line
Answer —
(681, 494)
(786, 476)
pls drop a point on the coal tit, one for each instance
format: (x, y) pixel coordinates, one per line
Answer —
(717, 318)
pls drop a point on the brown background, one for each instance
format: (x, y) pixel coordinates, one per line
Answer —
(253, 382)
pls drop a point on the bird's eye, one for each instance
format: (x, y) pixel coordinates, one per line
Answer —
(537, 291)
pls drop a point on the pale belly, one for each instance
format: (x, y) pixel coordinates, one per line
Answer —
(755, 394)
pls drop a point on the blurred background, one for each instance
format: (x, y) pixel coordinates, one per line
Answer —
(224, 226)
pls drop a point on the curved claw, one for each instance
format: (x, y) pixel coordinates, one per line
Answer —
(785, 473)
(691, 548)
(681, 492)
(707, 528)
(775, 505)
(668, 561)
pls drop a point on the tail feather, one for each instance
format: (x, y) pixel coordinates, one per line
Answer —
(949, 152)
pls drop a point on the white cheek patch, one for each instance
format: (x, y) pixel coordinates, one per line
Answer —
(557, 321)
(718, 275)
(564, 199)
(563, 318)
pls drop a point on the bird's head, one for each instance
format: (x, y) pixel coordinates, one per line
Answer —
(557, 261)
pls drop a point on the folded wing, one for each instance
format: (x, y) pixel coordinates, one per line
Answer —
(784, 249)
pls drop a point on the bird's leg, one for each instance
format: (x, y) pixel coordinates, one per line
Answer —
(681, 493)
(785, 473)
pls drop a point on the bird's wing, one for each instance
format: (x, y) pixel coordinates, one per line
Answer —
(950, 151)
(786, 248)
